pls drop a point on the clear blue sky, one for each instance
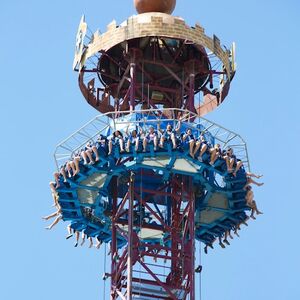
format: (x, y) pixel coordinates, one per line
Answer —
(41, 104)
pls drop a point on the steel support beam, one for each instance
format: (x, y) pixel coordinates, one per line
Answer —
(175, 249)
(130, 237)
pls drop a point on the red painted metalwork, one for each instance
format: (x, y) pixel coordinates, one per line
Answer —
(164, 72)
(114, 240)
(130, 237)
(130, 265)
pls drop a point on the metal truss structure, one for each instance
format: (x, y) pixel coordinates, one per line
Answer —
(132, 274)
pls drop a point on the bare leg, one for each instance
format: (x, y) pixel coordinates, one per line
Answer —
(76, 163)
(258, 212)
(121, 142)
(89, 154)
(63, 173)
(231, 162)
(77, 234)
(238, 166)
(56, 177)
(203, 149)
(196, 148)
(70, 234)
(244, 222)
(254, 175)
(52, 187)
(227, 162)
(84, 156)
(173, 140)
(213, 156)
(137, 144)
(55, 200)
(220, 242)
(155, 141)
(110, 145)
(250, 198)
(250, 180)
(144, 145)
(54, 222)
(191, 146)
(205, 249)
(83, 238)
(252, 214)
(91, 242)
(225, 238)
(211, 244)
(236, 231)
(127, 146)
(51, 216)
(69, 168)
(95, 150)
(73, 167)
(99, 243)
(212, 161)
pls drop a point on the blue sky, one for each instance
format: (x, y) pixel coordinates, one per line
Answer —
(41, 104)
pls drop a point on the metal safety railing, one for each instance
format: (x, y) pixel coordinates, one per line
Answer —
(109, 122)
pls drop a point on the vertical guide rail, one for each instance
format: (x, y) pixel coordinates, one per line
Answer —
(192, 238)
(130, 237)
(176, 252)
(114, 237)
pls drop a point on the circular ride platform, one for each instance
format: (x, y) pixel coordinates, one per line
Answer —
(86, 198)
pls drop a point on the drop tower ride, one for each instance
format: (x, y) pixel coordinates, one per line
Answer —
(151, 205)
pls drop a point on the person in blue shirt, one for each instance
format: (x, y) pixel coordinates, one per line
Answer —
(188, 139)
(133, 140)
(201, 144)
(117, 139)
(88, 151)
(151, 137)
(102, 145)
(215, 153)
(169, 135)
(233, 164)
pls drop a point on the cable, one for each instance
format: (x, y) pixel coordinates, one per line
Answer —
(104, 267)
(200, 272)
(140, 231)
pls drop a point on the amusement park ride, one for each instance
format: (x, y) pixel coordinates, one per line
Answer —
(151, 203)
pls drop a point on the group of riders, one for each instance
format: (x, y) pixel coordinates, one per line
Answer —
(138, 140)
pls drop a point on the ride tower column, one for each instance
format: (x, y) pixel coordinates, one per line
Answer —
(176, 245)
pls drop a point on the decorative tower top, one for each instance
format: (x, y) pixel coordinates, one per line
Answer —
(163, 6)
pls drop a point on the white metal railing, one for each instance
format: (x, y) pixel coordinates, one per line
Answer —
(109, 122)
